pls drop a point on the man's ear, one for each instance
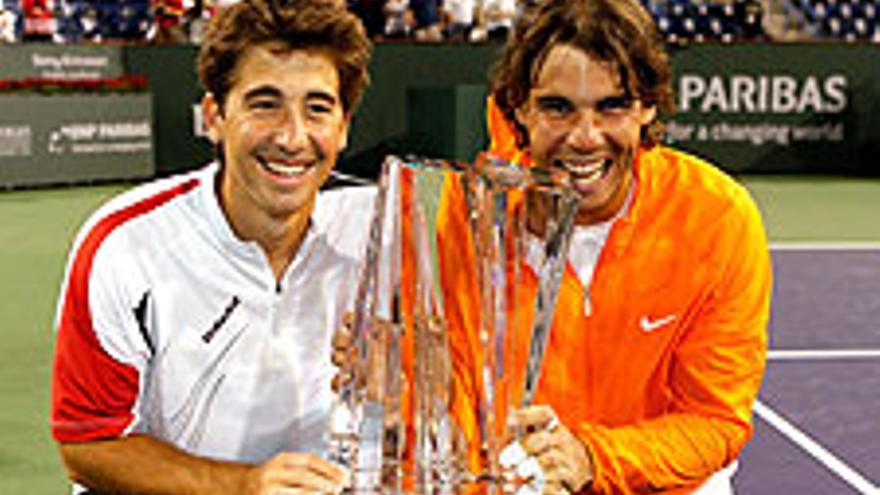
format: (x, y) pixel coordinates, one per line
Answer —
(346, 125)
(647, 115)
(518, 126)
(520, 114)
(213, 118)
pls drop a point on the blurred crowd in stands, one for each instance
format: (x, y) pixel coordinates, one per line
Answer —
(474, 21)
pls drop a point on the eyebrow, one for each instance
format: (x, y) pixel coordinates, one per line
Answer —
(617, 99)
(271, 91)
(262, 91)
(553, 99)
(322, 95)
(621, 99)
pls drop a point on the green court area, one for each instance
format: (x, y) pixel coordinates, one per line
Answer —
(38, 227)
(821, 209)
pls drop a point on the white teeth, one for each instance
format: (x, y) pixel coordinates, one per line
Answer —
(585, 173)
(584, 169)
(282, 169)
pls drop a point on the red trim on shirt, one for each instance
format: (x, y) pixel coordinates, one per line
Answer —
(92, 393)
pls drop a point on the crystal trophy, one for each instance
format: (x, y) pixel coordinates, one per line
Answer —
(452, 316)
(521, 223)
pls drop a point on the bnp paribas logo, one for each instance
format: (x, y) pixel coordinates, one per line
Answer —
(15, 140)
(57, 143)
(61, 138)
(101, 138)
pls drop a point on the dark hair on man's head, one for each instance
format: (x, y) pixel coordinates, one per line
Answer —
(620, 32)
(324, 25)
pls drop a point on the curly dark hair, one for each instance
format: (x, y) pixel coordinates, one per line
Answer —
(620, 32)
(297, 24)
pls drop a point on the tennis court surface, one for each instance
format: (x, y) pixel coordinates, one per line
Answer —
(817, 420)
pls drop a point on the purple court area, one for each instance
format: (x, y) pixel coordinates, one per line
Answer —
(826, 305)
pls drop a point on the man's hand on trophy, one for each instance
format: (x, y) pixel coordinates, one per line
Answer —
(295, 472)
(563, 462)
(368, 373)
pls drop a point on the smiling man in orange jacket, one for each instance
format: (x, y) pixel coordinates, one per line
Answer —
(658, 341)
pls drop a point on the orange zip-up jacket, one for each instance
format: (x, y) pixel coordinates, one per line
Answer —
(659, 379)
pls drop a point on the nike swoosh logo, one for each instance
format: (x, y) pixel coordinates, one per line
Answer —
(648, 325)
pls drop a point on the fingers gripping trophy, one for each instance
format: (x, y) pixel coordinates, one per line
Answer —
(452, 315)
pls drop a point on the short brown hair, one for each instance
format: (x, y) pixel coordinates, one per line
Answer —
(621, 32)
(297, 24)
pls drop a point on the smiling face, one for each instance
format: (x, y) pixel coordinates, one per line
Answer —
(281, 129)
(579, 117)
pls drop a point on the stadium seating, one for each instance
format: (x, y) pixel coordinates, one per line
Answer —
(100, 20)
(848, 20)
(680, 21)
(93, 20)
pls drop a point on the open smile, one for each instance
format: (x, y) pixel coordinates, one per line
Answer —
(285, 168)
(585, 172)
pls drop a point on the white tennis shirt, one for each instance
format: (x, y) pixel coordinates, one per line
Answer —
(168, 324)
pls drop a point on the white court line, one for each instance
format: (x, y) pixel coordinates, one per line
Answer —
(821, 354)
(826, 246)
(817, 451)
(785, 427)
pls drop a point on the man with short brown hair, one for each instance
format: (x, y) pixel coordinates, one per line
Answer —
(196, 313)
(658, 343)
